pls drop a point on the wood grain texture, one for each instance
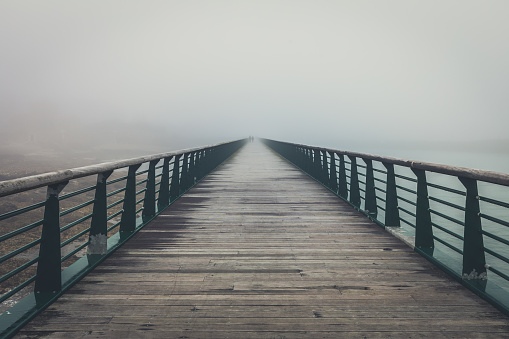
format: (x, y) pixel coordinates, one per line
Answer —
(260, 250)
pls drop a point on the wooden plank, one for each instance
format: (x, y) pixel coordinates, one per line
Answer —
(259, 250)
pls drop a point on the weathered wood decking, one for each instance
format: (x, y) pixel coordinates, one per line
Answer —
(259, 250)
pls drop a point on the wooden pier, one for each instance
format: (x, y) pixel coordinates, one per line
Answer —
(260, 250)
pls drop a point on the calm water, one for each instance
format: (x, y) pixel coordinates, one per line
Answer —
(491, 157)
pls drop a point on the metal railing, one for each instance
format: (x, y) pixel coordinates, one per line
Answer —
(50, 244)
(457, 218)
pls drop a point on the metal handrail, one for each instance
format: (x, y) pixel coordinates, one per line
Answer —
(9, 187)
(456, 246)
(163, 184)
(476, 174)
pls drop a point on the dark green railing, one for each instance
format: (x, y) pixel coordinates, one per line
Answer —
(457, 218)
(110, 203)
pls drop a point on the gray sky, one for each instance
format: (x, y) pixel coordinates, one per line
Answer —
(185, 73)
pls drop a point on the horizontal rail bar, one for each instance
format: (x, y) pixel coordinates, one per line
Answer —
(75, 208)
(142, 172)
(443, 229)
(487, 176)
(448, 245)
(141, 182)
(495, 202)
(17, 289)
(22, 210)
(20, 250)
(76, 222)
(115, 192)
(73, 252)
(75, 193)
(407, 222)
(498, 221)
(74, 237)
(41, 180)
(116, 180)
(114, 215)
(495, 237)
(450, 204)
(113, 204)
(407, 211)
(454, 220)
(19, 269)
(21, 230)
(497, 272)
(407, 201)
(405, 177)
(406, 189)
(141, 191)
(495, 254)
(115, 225)
(447, 189)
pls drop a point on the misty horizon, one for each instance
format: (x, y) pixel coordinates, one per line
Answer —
(119, 79)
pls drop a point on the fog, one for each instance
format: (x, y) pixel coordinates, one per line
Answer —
(137, 77)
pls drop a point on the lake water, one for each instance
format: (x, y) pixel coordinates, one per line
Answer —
(491, 156)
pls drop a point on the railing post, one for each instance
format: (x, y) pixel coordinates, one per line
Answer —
(423, 228)
(209, 156)
(184, 176)
(175, 179)
(49, 266)
(317, 171)
(164, 187)
(308, 160)
(370, 198)
(98, 236)
(474, 261)
(311, 164)
(325, 169)
(333, 182)
(343, 188)
(149, 203)
(391, 198)
(197, 166)
(128, 220)
(192, 169)
(355, 196)
(295, 154)
(302, 158)
(203, 164)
